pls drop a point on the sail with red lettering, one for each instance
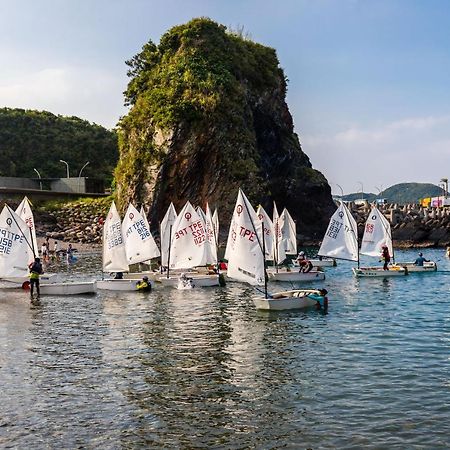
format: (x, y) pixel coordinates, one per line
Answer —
(188, 245)
(377, 232)
(15, 244)
(268, 231)
(210, 244)
(166, 233)
(114, 254)
(244, 246)
(139, 243)
(26, 214)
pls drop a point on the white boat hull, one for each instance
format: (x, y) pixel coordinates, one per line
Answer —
(197, 280)
(69, 288)
(281, 301)
(411, 267)
(117, 285)
(284, 275)
(378, 272)
(44, 278)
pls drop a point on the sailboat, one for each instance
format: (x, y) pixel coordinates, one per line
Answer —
(246, 252)
(114, 253)
(189, 248)
(285, 242)
(140, 247)
(377, 233)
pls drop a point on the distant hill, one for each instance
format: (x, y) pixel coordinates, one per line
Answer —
(400, 193)
(39, 140)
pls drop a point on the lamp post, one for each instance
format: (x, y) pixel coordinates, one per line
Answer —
(67, 166)
(39, 175)
(79, 175)
(362, 190)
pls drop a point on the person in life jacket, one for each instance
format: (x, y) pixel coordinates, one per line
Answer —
(321, 299)
(144, 285)
(385, 256)
(305, 264)
(35, 271)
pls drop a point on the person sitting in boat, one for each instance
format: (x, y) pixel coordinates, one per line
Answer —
(321, 299)
(385, 256)
(223, 265)
(305, 264)
(420, 260)
(144, 285)
(118, 276)
(35, 271)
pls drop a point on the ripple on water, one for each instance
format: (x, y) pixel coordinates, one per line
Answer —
(202, 368)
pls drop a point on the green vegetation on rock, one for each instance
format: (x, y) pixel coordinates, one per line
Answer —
(33, 139)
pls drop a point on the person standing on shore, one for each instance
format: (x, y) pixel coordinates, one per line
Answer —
(44, 251)
(35, 271)
(385, 256)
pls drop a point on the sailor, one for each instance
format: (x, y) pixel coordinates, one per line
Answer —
(321, 299)
(385, 256)
(144, 285)
(305, 264)
(420, 260)
(118, 276)
(35, 271)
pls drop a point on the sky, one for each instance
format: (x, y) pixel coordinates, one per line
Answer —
(369, 80)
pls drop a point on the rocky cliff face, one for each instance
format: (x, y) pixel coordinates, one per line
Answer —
(209, 115)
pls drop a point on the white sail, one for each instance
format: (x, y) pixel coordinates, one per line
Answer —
(188, 243)
(268, 231)
(211, 235)
(165, 233)
(215, 219)
(341, 238)
(139, 243)
(25, 213)
(114, 255)
(279, 252)
(15, 244)
(152, 244)
(377, 232)
(244, 250)
(289, 233)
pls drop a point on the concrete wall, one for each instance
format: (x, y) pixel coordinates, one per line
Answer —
(69, 185)
(19, 183)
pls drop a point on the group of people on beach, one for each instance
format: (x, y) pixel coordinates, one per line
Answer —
(47, 254)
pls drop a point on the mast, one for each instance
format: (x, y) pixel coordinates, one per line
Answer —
(168, 252)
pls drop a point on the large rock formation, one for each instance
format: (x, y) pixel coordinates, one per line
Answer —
(209, 115)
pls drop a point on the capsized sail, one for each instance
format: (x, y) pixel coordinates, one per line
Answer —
(114, 254)
(377, 232)
(244, 248)
(188, 243)
(139, 243)
(341, 238)
(289, 232)
(268, 231)
(15, 245)
(26, 214)
(165, 233)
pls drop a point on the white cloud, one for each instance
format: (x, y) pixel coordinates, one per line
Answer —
(71, 91)
(411, 149)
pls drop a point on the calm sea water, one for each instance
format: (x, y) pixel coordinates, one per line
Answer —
(203, 369)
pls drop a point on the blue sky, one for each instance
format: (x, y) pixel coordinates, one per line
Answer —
(369, 84)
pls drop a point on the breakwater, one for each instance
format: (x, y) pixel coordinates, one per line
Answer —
(412, 225)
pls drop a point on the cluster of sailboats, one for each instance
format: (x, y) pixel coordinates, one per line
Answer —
(257, 249)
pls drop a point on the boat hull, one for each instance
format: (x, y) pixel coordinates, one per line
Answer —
(378, 272)
(284, 275)
(69, 288)
(295, 299)
(198, 280)
(44, 278)
(412, 268)
(117, 285)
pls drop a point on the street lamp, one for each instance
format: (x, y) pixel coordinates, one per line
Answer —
(79, 176)
(39, 175)
(67, 165)
(362, 190)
